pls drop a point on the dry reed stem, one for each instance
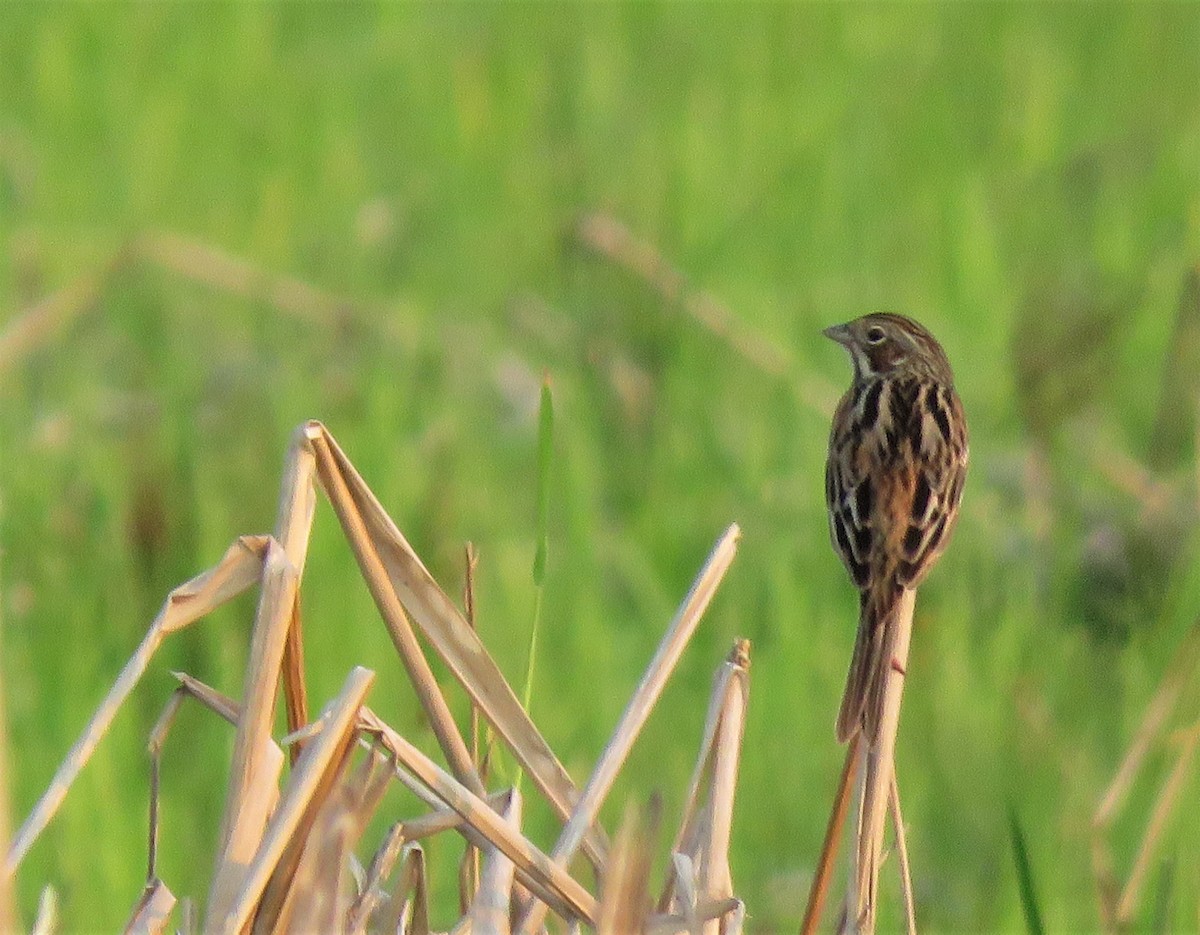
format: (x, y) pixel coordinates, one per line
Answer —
(38, 325)
(238, 570)
(254, 772)
(717, 880)
(704, 832)
(625, 889)
(46, 920)
(490, 909)
(833, 837)
(443, 625)
(1179, 673)
(314, 894)
(409, 899)
(877, 766)
(910, 907)
(312, 773)
(1163, 806)
(551, 883)
(224, 272)
(729, 909)
(469, 867)
(152, 914)
(378, 871)
(365, 546)
(611, 239)
(645, 696)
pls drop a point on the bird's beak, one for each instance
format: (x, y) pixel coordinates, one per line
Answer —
(839, 333)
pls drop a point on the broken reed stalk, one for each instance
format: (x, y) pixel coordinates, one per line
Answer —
(636, 712)
(281, 852)
(876, 767)
(832, 842)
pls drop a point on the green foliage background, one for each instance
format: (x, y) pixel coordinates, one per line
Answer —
(1025, 179)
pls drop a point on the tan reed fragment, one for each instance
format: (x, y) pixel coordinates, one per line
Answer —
(378, 871)
(409, 899)
(638, 710)
(553, 884)
(833, 837)
(322, 756)
(254, 772)
(469, 866)
(1114, 901)
(906, 888)
(313, 896)
(729, 909)
(696, 824)
(152, 914)
(46, 920)
(490, 909)
(716, 878)
(625, 889)
(239, 569)
(877, 765)
(1164, 804)
(365, 547)
(225, 272)
(371, 531)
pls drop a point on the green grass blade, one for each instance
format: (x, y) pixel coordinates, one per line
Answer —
(1029, 902)
(541, 523)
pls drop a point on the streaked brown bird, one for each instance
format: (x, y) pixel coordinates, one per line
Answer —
(893, 483)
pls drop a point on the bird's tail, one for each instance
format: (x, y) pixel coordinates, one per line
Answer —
(862, 703)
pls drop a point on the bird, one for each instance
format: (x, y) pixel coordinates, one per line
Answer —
(898, 452)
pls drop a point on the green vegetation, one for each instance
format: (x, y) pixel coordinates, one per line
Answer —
(1021, 178)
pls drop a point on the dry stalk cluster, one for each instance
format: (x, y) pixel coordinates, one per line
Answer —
(298, 807)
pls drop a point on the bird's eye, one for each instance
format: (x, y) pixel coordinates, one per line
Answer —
(875, 335)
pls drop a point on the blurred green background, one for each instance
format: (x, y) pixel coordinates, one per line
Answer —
(1024, 179)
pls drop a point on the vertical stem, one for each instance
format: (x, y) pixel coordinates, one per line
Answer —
(878, 762)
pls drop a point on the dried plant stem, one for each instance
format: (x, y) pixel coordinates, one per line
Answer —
(877, 765)
(833, 837)
(238, 570)
(1163, 807)
(910, 908)
(638, 710)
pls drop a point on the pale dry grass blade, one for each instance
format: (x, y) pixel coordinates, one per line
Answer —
(379, 870)
(319, 761)
(152, 914)
(833, 836)
(407, 911)
(695, 823)
(313, 895)
(490, 909)
(551, 882)
(337, 476)
(293, 528)
(638, 709)
(372, 532)
(46, 920)
(254, 772)
(39, 325)
(877, 766)
(224, 272)
(1163, 806)
(906, 889)
(625, 890)
(717, 880)
(238, 570)
(729, 912)
(1178, 674)
(1166, 697)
